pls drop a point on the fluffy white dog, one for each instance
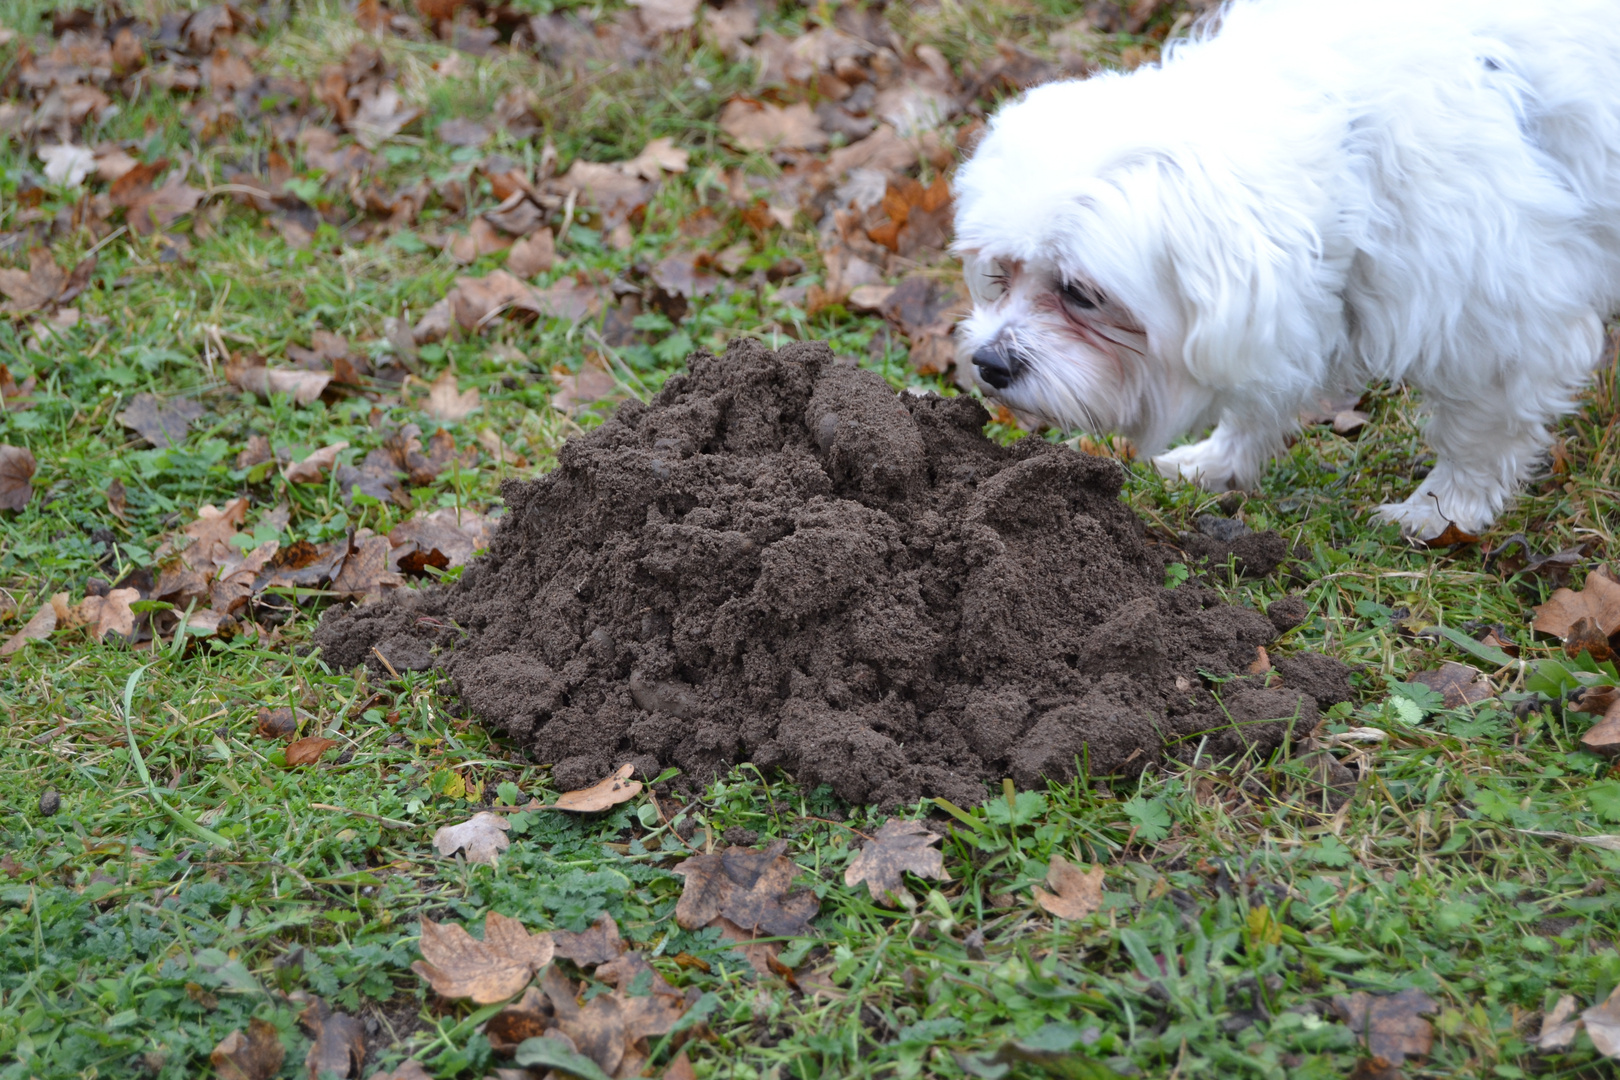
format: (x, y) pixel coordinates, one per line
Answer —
(1317, 194)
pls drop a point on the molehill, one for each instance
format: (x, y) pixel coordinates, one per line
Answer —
(780, 560)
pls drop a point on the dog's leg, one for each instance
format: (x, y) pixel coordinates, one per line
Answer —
(1484, 449)
(1232, 458)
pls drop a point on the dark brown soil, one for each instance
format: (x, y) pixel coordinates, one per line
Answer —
(781, 561)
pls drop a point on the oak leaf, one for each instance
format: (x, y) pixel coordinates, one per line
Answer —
(601, 795)
(457, 965)
(898, 847)
(1075, 894)
(482, 837)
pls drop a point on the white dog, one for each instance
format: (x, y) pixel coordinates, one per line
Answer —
(1319, 194)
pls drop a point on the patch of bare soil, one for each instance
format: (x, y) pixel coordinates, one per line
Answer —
(779, 560)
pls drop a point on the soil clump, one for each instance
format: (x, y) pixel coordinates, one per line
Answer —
(780, 560)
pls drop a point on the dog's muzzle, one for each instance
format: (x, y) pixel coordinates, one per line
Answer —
(998, 366)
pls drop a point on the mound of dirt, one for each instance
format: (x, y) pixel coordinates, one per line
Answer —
(779, 560)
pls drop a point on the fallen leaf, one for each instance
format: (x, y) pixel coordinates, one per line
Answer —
(1350, 422)
(482, 837)
(666, 16)
(457, 965)
(453, 536)
(17, 467)
(527, 1018)
(679, 275)
(363, 571)
(446, 401)
(382, 114)
(1450, 536)
(1603, 1025)
(614, 193)
(897, 847)
(308, 750)
(43, 282)
(409, 1069)
(534, 254)
(316, 465)
(1375, 1068)
(300, 385)
(1597, 601)
(38, 628)
(276, 723)
(1602, 738)
(1558, 1027)
(161, 423)
(115, 616)
(1458, 684)
(598, 945)
(459, 131)
(67, 164)
(338, 1046)
(1391, 1026)
(1074, 894)
(758, 125)
(479, 240)
(752, 889)
(599, 796)
(659, 156)
(255, 1056)
(574, 392)
(475, 301)
(148, 209)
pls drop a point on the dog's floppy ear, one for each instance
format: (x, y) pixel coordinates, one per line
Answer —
(1245, 272)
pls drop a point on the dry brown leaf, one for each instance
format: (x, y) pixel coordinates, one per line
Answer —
(753, 889)
(67, 164)
(666, 16)
(38, 628)
(898, 847)
(1602, 738)
(457, 965)
(276, 723)
(609, 189)
(527, 1018)
(314, 467)
(308, 750)
(1603, 1025)
(534, 254)
(1075, 894)
(300, 385)
(409, 1069)
(758, 125)
(574, 392)
(599, 796)
(1585, 636)
(481, 238)
(1558, 1027)
(1598, 600)
(447, 402)
(481, 837)
(1391, 1026)
(454, 537)
(680, 275)
(17, 467)
(1349, 423)
(1458, 684)
(255, 1056)
(115, 616)
(161, 423)
(475, 301)
(597, 945)
(43, 283)
(460, 131)
(382, 114)
(338, 1046)
(656, 158)
(148, 209)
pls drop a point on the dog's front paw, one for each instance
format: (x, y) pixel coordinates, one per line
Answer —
(1205, 463)
(1442, 503)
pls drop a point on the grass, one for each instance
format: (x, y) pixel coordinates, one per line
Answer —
(1234, 912)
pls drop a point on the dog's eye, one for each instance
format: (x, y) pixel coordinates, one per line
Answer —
(1081, 296)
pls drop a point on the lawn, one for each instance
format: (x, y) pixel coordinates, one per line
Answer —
(1428, 875)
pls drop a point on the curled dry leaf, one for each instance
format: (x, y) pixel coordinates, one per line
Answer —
(1603, 1025)
(482, 837)
(447, 402)
(534, 254)
(115, 616)
(1391, 1026)
(599, 944)
(457, 965)
(276, 723)
(17, 467)
(300, 385)
(338, 1046)
(38, 628)
(601, 795)
(751, 889)
(1558, 1027)
(656, 158)
(308, 750)
(255, 1056)
(527, 1018)
(1586, 636)
(67, 164)
(161, 423)
(1075, 893)
(898, 847)
(316, 465)
(1602, 738)
(1597, 601)
(574, 392)
(1458, 684)
(43, 282)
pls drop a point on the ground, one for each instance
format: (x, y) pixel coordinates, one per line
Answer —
(170, 871)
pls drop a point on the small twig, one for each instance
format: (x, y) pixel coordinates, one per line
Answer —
(385, 662)
(389, 822)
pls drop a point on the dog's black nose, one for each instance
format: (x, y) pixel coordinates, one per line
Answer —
(997, 367)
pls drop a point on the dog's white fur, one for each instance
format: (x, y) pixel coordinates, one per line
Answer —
(1319, 194)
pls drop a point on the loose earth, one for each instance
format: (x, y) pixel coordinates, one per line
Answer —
(780, 560)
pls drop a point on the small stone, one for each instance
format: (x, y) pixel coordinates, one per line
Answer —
(49, 802)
